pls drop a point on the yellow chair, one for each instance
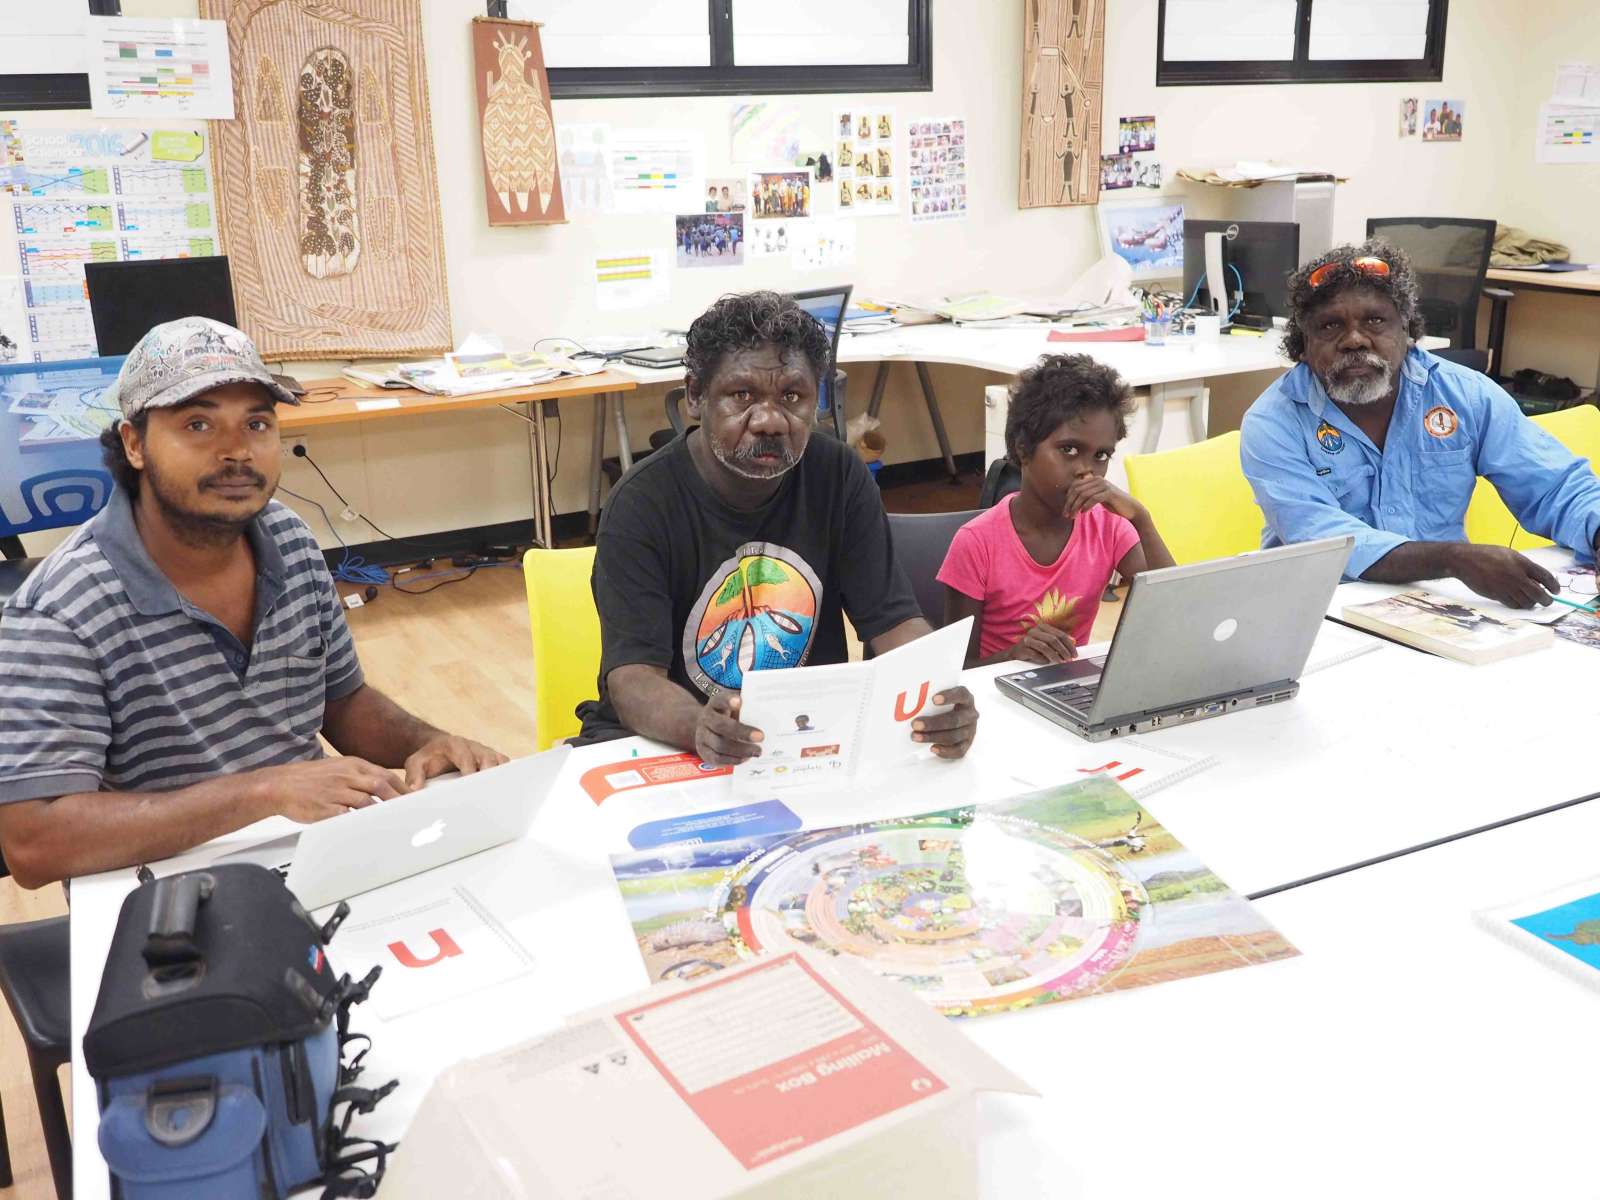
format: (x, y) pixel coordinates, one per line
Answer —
(566, 638)
(1199, 499)
(1490, 522)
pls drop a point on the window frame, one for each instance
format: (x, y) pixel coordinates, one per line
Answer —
(1302, 68)
(42, 93)
(723, 78)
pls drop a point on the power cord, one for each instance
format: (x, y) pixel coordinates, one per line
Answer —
(299, 451)
(1238, 278)
(352, 568)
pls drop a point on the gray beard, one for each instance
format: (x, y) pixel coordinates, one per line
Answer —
(741, 462)
(1363, 391)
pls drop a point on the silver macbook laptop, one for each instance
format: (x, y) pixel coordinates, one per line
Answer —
(369, 847)
(1195, 641)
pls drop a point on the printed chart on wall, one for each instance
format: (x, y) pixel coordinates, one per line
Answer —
(1048, 896)
(159, 69)
(656, 170)
(97, 195)
(937, 152)
(631, 279)
(865, 166)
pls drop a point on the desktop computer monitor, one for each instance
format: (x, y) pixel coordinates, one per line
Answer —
(1263, 253)
(127, 299)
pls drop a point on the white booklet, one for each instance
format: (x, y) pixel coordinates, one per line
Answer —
(1560, 928)
(826, 725)
(1141, 767)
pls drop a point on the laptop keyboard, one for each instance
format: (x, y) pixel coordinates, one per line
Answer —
(1076, 694)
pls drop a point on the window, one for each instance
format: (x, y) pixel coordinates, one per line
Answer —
(730, 47)
(41, 52)
(1299, 41)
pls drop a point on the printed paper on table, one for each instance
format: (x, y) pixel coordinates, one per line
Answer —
(779, 1077)
(826, 725)
(1560, 928)
(434, 946)
(1048, 896)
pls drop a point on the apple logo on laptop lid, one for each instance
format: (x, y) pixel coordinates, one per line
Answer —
(428, 834)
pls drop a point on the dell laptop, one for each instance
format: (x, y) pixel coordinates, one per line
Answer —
(1195, 641)
(370, 847)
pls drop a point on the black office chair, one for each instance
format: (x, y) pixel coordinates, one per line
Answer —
(35, 976)
(921, 540)
(1003, 478)
(1477, 360)
(1450, 256)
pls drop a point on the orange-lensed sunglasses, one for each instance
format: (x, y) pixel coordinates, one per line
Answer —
(1375, 268)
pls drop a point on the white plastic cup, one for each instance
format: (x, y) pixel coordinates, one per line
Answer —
(1207, 329)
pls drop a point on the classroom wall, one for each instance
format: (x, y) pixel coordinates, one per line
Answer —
(430, 473)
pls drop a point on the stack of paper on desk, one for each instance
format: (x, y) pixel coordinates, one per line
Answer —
(793, 1076)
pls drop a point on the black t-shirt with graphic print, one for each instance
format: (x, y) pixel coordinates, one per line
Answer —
(685, 582)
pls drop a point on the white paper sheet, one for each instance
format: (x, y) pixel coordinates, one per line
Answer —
(823, 245)
(585, 152)
(631, 279)
(657, 170)
(151, 67)
(1567, 133)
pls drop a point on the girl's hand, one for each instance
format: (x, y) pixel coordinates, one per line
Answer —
(1045, 644)
(1090, 490)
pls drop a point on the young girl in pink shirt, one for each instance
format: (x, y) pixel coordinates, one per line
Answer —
(1031, 570)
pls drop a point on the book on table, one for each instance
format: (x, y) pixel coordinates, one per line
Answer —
(1560, 927)
(1447, 627)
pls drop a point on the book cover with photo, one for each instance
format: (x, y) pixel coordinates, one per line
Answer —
(1560, 928)
(1447, 627)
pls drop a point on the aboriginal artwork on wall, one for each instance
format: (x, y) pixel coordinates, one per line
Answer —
(1063, 74)
(327, 194)
(522, 184)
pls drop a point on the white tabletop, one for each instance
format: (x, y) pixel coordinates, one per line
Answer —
(1376, 754)
(1007, 351)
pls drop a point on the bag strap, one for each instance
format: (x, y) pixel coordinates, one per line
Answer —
(346, 1177)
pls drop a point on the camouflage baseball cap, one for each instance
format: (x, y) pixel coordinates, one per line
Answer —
(177, 361)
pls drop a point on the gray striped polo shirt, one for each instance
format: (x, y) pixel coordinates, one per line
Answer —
(110, 680)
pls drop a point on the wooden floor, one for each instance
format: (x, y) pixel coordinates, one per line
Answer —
(459, 657)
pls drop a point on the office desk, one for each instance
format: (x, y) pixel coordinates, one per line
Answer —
(1176, 370)
(1375, 755)
(340, 400)
(1575, 283)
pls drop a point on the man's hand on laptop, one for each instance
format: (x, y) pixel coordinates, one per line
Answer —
(1044, 643)
(949, 733)
(313, 791)
(447, 752)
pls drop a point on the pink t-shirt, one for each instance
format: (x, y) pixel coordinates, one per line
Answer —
(988, 562)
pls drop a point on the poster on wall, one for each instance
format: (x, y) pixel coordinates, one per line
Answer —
(937, 152)
(1063, 84)
(522, 177)
(327, 193)
(866, 163)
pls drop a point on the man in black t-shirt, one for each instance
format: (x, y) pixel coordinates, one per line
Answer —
(741, 545)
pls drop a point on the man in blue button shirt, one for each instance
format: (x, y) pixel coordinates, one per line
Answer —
(1373, 436)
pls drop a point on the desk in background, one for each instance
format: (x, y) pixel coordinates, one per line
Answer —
(1572, 283)
(339, 400)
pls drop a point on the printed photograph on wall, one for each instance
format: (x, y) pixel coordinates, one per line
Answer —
(522, 180)
(780, 194)
(1408, 116)
(727, 195)
(710, 240)
(1442, 120)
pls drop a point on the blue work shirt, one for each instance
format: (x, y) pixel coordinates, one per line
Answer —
(1316, 475)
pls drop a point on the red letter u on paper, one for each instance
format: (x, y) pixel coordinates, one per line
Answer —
(445, 944)
(900, 713)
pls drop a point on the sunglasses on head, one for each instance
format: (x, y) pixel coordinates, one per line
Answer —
(1373, 268)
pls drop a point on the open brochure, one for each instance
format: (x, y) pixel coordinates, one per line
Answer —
(1561, 928)
(827, 725)
(791, 1076)
(1048, 896)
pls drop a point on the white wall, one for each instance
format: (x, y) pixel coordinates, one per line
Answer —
(429, 473)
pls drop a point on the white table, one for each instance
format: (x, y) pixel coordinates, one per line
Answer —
(1374, 756)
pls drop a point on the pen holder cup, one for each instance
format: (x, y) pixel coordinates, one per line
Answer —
(1157, 330)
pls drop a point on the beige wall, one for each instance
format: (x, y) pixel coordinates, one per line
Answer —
(429, 473)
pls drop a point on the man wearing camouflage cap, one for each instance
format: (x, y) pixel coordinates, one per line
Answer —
(164, 674)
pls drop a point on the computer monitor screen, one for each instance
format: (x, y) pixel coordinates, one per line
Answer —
(1147, 236)
(127, 299)
(1263, 253)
